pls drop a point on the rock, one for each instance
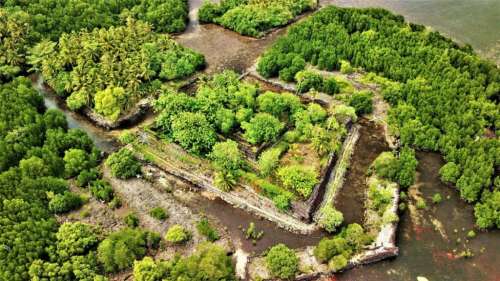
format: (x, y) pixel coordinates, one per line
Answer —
(421, 278)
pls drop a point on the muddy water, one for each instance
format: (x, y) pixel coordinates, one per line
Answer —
(431, 249)
(476, 22)
(350, 201)
(223, 49)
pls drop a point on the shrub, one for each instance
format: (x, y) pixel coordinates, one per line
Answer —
(269, 160)
(330, 86)
(421, 204)
(330, 218)
(75, 161)
(337, 263)
(487, 211)
(227, 157)
(127, 137)
(328, 248)
(345, 67)
(450, 172)
(308, 80)
(362, 102)
(208, 12)
(343, 113)
(193, 132)
(65, 202)
(386, 165)
(131, 220)
(75, 238)
(300, 179)
(158, 213)
(118, 251)
(282, 262)
(115, 203)
(86, 177)
(437, 198)
(205, 229)
(263, 127)
(123, 164)
(102, 190)
(177, 234)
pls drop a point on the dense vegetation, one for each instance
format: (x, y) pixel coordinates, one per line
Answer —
(443, 97)
(253, 17)
(282, 262)
(208, 263)
(37, 153)
(225, 115)
(337, 251)
(52, 18)
(109, 70)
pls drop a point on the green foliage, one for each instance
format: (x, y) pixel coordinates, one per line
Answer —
(330, 218)
(253, 17)
(421, 204)
(252, 233)
(62, 203)
(75, 238)
(337, 263)
(86, 177)
(204, 228)
(262, 128)
(193, 132)
(227, 157)
(208, 263)
(443, 95)
(177, 234)
(331, 86)
(269, 160)
(123, 164)
(131, 220)
(118, 251)
(380, 197)
(345, 67)
(282, 262)
(343, 113)
(487, 213)
(111, 69)
(300, 179)
(110, 102)
(50, 17)
(437, 198)
(308, 80)
(401, 170)
(362, 102)
(449, 172)
(16, 34)
(75, 161)
(158, 213)
(102, 190)
(127, 137)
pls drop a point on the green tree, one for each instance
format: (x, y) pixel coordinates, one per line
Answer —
(193, 132)
(123, 164)
(269, 160)
(177, 234)
(300, 179)
(75, 161)
(263, 127)
(282, 262)
(75, 238)
(61, 203)
(110, 102)
(227, 157)
(330, 218)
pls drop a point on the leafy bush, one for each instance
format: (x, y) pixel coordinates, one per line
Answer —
(177, 234)
(102, 190)
(263, 127)
(118, 251)
(449, 172)
(437, 198)
(282, 262)
(75, 161)
(86, 177)
(269, 160)
(300, 179)
(227, 157)
(487, 212)
(330, 218)
(204, 228)
(62, 203)
(362, 102)
(193, 132)
(131, 220)
(123, 164)
(75, 238)
(158, 213)
(308, 80)
(330, 86)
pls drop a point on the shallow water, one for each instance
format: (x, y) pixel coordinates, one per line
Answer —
(424, 251)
